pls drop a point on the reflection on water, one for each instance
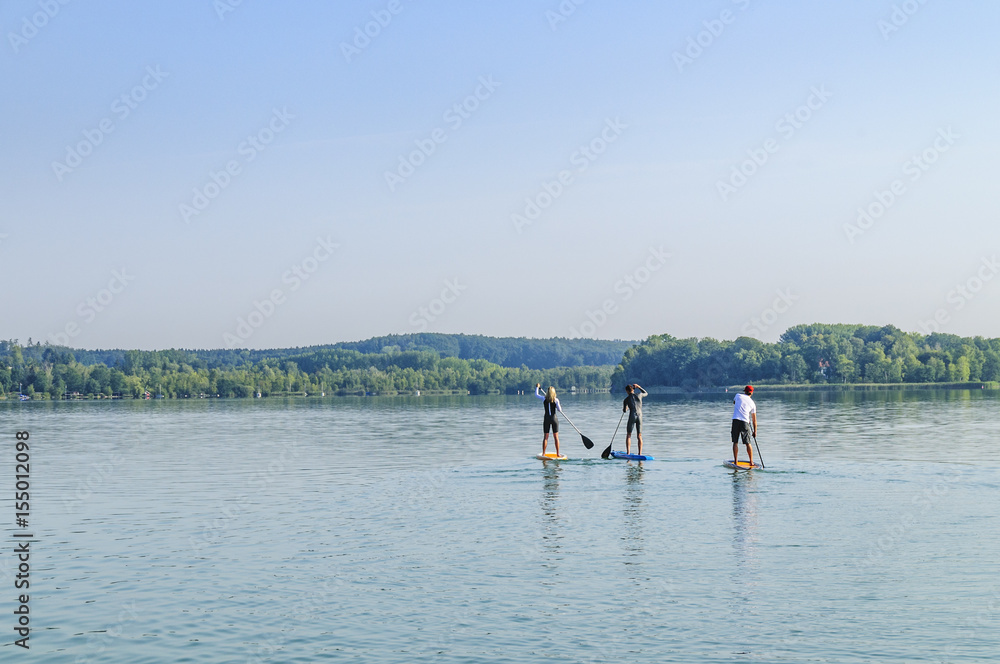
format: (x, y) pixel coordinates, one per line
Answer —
(745, 520)
(745, 575)
(552, 522)
(633, 511)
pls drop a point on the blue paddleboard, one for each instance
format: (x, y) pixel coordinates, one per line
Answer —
(633, 457)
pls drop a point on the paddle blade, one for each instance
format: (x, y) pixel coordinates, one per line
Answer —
(606, 454)
(587, 442)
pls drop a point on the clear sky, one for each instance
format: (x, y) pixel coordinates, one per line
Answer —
(264, 174)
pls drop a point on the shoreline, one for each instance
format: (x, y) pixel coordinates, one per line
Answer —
(653, 390)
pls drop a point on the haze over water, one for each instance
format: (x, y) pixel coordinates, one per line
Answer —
(421, 529)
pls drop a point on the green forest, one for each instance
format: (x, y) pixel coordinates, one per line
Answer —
(505, 351)
(46, 371)
(437, 363)
(812, 354)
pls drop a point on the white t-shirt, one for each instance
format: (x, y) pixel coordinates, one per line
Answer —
(744, 406)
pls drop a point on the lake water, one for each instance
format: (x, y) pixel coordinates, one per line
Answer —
(423, 530)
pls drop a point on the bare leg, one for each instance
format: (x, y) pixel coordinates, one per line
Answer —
(545, 442)
(638, 436)
(750, 453)
(736, 449)
(555, 436)
(628, 444)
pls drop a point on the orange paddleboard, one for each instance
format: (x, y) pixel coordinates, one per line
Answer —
(740, 465)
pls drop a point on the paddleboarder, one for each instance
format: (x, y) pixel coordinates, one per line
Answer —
(744, 417)
(633, 403)
(551, 422)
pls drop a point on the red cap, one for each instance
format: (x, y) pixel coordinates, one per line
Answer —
(748, 389)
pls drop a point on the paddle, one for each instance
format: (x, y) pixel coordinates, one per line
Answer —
(587, 442)
(754, 434)
(606, 454)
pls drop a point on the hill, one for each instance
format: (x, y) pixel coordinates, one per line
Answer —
(382, 365)
(503, 351)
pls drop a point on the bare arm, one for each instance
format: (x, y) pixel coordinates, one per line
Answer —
(753, 417)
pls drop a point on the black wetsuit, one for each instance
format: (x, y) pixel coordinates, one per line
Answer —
(551, 422)
(634, 404)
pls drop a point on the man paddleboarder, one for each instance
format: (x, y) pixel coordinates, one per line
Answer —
(744, 416)
(633, 403)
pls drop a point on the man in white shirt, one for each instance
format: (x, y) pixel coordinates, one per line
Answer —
(744, 416)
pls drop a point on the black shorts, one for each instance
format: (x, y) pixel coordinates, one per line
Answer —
(741, 429)
(550, 423)
(633, 422)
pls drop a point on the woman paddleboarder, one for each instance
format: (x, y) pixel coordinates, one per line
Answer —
(551, 422)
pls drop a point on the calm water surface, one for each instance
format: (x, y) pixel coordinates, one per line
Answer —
(423, 530)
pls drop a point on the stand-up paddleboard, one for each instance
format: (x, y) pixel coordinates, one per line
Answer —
(740, 465)
(552, 457)
(633, 457)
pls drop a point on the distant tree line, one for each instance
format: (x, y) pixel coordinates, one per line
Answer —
(805, 354)
(812, 354)
(512, 352)
(55, 372)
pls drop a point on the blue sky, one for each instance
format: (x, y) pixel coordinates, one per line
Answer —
(588, 182)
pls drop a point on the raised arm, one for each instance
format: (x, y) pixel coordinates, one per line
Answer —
(640, 388)
(538, 392)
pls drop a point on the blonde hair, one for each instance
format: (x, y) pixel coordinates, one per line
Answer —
(550, 395)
